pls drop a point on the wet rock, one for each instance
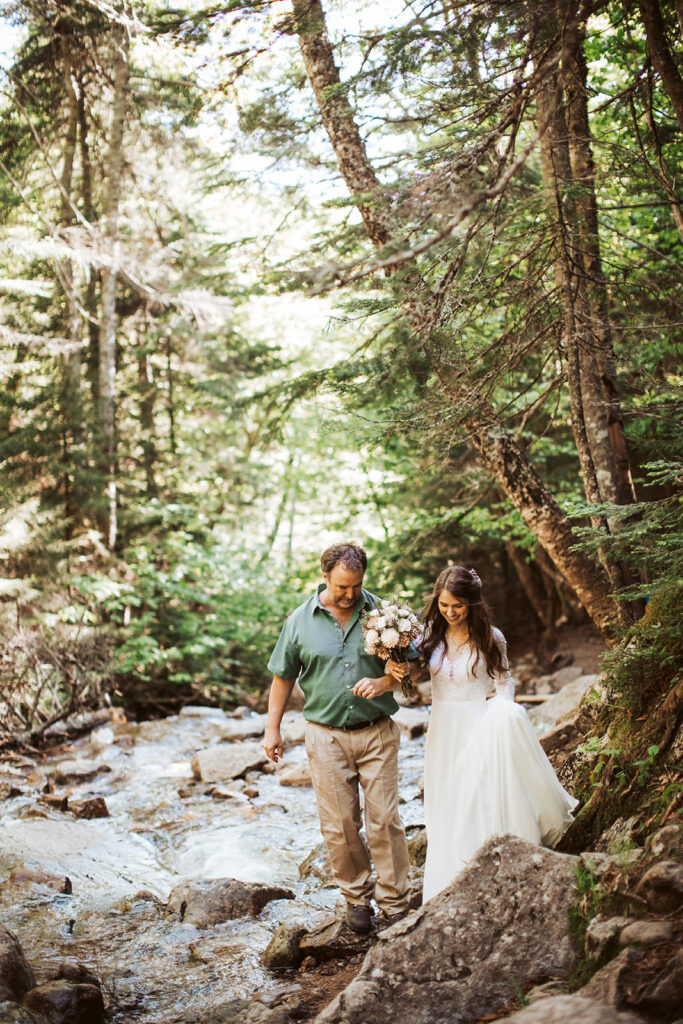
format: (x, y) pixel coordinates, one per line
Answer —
(223, 793)
(8, 791)
(502, 923)
(66, 1002)
(199, 711)
(662, 886)
(57, 803)
(411, 721)
(76, 772)
(16, 977)
(602, 935)
(295, 775)
(283, 949)
(251, 727)
(251, 792)
(206, 902)
(28, 877)
(78, 973)
(10, 1013)
(646, 933)
(94, 807)
(227, 762)
(565, 1009)
(417, 847)
(317, 865)
(333, 940)
(664, 841)
(240, 1011)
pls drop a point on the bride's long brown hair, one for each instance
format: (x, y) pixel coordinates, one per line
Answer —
(465, 585)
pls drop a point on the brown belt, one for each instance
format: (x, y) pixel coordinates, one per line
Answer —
(356, 725)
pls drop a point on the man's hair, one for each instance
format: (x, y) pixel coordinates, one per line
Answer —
(350, 555)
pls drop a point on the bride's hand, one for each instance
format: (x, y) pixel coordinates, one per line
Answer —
(398, 670)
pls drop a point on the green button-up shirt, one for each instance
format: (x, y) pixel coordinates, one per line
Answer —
(328, 662)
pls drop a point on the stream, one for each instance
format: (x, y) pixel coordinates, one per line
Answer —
(164, 827)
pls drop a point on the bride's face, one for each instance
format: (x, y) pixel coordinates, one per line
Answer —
(453, 609)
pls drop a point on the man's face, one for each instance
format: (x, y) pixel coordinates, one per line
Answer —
(344, 586)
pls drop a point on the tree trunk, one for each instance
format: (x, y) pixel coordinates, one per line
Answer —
(660, 54)
(497, 450)
(535, 592)
(71, 413)
(107, 332)
(147, 393)
(599, 366)
(90, 300)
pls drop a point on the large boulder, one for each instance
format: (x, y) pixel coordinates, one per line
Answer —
(228, 761)
(633, 980)
(211, 901)
(662, 886)
(562, 704)
(569, 1010)
(63, 1002)
(333, 940)
(283, 949)
(501, 923)
(16, 977)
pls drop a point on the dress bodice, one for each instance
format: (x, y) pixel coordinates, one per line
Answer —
(456, 678)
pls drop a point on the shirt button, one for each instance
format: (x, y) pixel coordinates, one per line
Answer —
(347, 664)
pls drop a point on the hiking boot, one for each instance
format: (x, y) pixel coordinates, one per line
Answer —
(358, 917)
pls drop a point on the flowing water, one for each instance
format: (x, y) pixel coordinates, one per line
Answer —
(162, 830)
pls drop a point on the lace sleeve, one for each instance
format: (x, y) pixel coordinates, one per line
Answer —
(504, 683)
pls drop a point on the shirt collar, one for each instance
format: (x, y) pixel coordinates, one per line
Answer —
(365, 600)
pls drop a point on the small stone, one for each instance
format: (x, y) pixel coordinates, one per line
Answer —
(78, 973)
(317, 865)
(602, 935)
(295, 775)
(417, 847)
(95, 807)
(251, 792)
(411, 721)
(333, 940)
(57, 803)
(664, 841)
(77, 772)
(646, 933)
(212, 901)
(662, 886)
(228, 761)
(283, 949)
(65, 1002)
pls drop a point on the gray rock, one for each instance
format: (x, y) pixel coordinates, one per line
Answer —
(293, 728)
(10, 1013)
(570, 1010)
(229, 761)
(602, 935)
(613, 983)
(619, 836)
(547, 715)
(623, 986)
(333, 940)
(411, 721)
(239, 1011)
(250, 727)
(317, 865)
(206, 902)
(283, 949)
(547, 990)
(198, 711)
(663, 997)
(662, 886)
(16, 977)
(665, 841)
(75, 772)
(646, 933)
(501, 923)
(64, 1002)
(295, 774)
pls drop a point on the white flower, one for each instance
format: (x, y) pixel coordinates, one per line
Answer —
(403, 625)
(371, 637)
(379, 623)
(390, 637)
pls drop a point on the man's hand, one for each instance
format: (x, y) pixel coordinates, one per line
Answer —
(370, 688)
(272, 744)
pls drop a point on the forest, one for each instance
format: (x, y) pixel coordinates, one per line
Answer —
(274, 275)
(277, 274)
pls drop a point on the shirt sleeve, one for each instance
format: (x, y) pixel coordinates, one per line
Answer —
(504, 684)
(285, 660)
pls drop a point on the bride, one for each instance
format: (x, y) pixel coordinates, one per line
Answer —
(485, 771)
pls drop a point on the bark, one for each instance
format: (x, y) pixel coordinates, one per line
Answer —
(147, 393)
(71, 413)
(497, 450)
(107, 332)
(90, 298)
(660, 54)
(535, 592)
(599, 362)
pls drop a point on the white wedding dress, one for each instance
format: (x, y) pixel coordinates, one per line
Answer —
(485, 771)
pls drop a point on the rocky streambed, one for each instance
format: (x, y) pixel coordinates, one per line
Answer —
(166, 873)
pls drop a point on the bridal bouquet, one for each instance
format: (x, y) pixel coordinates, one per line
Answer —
(389, 630)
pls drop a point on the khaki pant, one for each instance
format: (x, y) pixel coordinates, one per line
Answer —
(340, 763)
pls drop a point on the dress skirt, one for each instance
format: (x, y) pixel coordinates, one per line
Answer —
(485, 774)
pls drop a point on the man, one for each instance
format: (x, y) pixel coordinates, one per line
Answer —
(350, 739)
